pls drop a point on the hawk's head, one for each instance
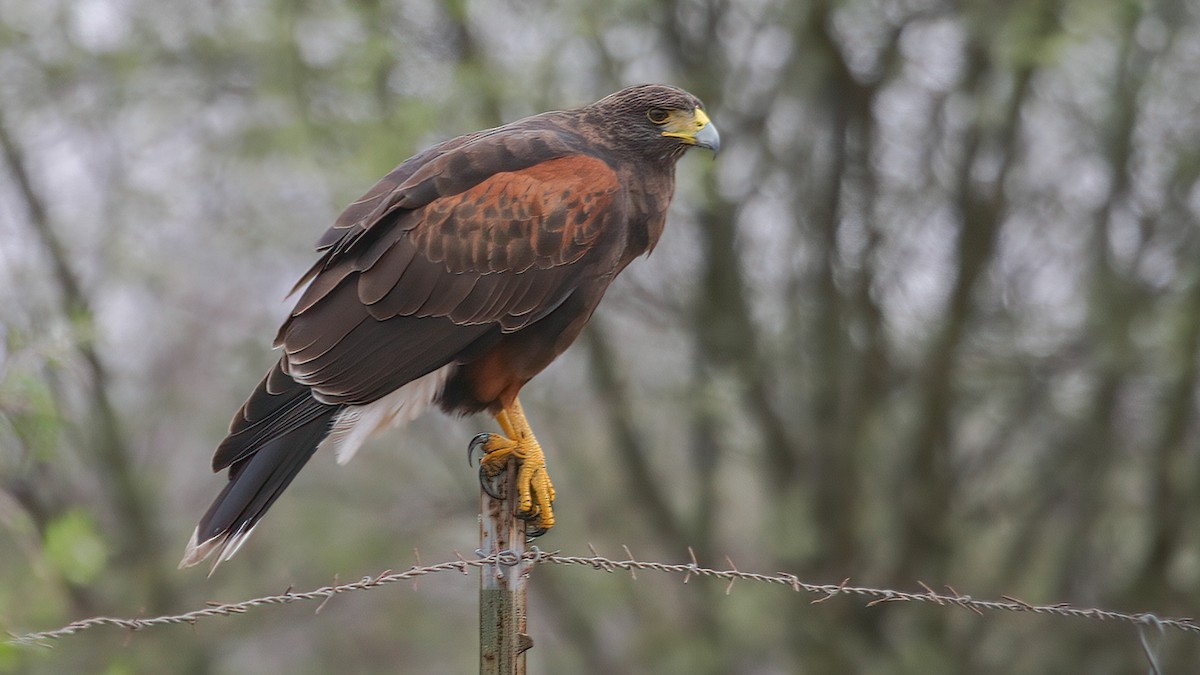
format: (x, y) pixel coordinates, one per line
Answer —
(657, 120)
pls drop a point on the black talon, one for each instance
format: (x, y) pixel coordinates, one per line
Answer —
(532, 531)
(492, 485)
(474, 445)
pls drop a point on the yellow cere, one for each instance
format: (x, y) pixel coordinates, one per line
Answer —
(684, 125)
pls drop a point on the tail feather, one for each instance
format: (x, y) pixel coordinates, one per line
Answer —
(262, 471)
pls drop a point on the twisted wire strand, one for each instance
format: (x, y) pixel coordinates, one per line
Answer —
(534, 556)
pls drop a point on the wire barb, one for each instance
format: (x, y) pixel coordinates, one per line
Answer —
(629, 558)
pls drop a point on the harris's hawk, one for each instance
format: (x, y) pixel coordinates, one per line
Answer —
(456, 279)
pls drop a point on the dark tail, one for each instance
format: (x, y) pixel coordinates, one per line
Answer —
(271, 438)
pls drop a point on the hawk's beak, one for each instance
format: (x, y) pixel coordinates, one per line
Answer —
(707, 137)
(695, 129)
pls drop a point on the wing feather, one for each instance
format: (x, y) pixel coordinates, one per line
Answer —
(409, 290)
(305, 340)
(277, 406)
(361, 377)
(374, 283)
(477, 307)
(451, 291)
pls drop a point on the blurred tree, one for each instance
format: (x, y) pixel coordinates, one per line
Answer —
(933, 314)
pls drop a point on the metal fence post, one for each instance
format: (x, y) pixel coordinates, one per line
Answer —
(503, 639)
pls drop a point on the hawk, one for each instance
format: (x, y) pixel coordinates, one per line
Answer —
(461, 275)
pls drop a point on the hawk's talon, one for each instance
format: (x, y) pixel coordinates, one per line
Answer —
(494, 486)
(476, 445)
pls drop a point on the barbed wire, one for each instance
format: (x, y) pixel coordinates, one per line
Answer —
(595, 561)
(324, 593)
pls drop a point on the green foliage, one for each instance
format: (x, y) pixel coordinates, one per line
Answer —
(31, 410)
(74, 547)
(120, 667)
(10, 658)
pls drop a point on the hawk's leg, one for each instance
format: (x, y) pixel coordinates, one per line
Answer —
(535, 493)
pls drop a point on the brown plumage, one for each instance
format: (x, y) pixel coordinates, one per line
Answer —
(457, 278)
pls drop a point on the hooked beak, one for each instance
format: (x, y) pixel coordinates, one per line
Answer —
(707, 137)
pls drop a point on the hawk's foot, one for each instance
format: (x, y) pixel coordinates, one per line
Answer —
(535, 492)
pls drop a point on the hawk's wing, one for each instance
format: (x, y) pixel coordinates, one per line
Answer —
(432, 266)
(498, 249)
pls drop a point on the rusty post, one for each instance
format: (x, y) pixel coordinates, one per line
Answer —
(503, 639)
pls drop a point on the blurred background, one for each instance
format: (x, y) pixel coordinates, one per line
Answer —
(933, 315)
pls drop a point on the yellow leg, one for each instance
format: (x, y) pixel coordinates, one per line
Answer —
(535, 493)
(506, 424)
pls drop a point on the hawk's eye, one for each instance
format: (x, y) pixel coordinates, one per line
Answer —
(657, 115)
